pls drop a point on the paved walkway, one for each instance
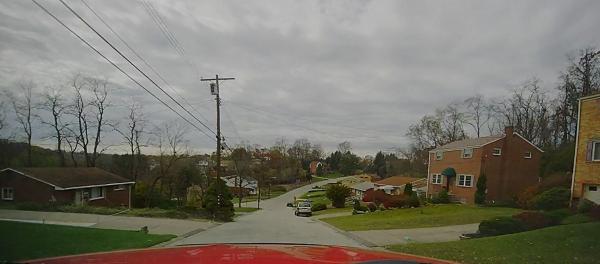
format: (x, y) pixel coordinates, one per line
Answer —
(415, 235)
(155, 225)
(275, 223)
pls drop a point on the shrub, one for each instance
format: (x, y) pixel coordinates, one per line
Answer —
(441, 198)
(408, 189)
(584, 206)
(217, 201)
(376, 196)
(372, 207)
(396, 201)
(501, 226)
(533, 220)
(554, 198)
(481, 190)
(413, 200)
(525, 198)
(318, 207)
(557, 216)
(337, 194)
(30, 206)
(595, 212)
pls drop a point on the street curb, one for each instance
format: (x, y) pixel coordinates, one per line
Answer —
(184, 236)
(356, 238)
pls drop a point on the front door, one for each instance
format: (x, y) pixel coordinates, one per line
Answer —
(592, 192)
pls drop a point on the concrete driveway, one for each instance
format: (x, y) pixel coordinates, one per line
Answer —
(275, 223)
(155, 225)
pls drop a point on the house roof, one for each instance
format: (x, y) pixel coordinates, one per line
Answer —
(396, 181)
(590, 96)
(363, 186)
(246, 183)
(469, 142)
(72, 178)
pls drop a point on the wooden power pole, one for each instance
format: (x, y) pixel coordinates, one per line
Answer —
(214, 90)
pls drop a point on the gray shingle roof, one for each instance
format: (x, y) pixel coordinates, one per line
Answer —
(470, 142)
(363, 186)
(73, 177)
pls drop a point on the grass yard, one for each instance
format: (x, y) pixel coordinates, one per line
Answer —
(21, 241)
(576, 243)
(428, 216)
(333, 175)
(245, 209)
(316, 197)
(347, 209)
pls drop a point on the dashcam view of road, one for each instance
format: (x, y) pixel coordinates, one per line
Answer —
(316, 131)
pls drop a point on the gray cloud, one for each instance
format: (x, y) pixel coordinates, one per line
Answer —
(325, 70)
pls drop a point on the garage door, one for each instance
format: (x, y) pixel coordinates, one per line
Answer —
(592, 193)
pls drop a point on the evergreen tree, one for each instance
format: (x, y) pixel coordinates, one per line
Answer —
(481, 189)
(217, 201)
(379, 165)
(408, 189)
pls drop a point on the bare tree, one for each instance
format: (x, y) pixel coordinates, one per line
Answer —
(132, 133)
(72, 141)
(585, 71)
(2, 116)
(476, 115)
(172, 147)
(452, 121)
(241, 159)
(22, 106)
(54, 103)
(90, 115)
(345, 146)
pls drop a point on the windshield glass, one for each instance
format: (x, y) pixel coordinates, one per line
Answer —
(467, 130)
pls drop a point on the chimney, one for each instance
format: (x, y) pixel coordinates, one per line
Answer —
(509, 130)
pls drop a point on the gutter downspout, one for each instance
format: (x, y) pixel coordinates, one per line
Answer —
(129, 196)
(428, 171)
(575, 158)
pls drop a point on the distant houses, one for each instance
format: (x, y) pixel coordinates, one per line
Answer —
(510, 162)
(586, 169)
(89, 186)
(244, 185)
(392, 185)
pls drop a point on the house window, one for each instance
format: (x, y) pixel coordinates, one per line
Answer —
(120, 187)
(467, 153)
(436, 179)
(593, 188)
(497, 151)
(439, 155)
(527, 155)
(596, 151)
(96, 193)
(465, 180)
(8, 194)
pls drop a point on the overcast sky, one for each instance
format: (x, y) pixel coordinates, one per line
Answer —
(328, 71)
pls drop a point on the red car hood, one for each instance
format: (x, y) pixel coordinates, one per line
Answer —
(244, 253)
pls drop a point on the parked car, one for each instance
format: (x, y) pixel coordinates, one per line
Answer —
(303, 208)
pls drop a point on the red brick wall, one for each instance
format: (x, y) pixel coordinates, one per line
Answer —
(471, 166)
(112, 197)
(25, 188)
(518, 172)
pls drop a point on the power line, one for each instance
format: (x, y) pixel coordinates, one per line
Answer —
(133, 64)
(143, 60)
(116, 66)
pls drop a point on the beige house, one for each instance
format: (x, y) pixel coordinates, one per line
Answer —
(586, 169)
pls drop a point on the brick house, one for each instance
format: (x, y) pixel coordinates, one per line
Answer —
(586, 169)
(395, 185)
(313, 167)
(91, 186)
(510, 162)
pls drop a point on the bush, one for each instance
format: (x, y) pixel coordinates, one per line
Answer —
(481, 190)
(441, 198)
(501, 226)
(584, 206)
(554, 198)
(408, 191)
(595, 212)
(30, 206)
(318, 207)
(534, 220)
(376, 196)
(396, 201)
(557, 216)
(525, 198)
(413, 200)
(337, 194)
(372, 207)
(217, 201)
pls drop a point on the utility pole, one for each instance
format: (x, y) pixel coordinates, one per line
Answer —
(214, 90)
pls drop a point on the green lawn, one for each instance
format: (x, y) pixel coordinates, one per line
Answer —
(347, 209)
(316, 197)
(20, 241)
(333, 175)
(577, 243)
(245, 209)
(428, 216)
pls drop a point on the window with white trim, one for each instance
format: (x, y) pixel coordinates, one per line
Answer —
(465, 180)
(527, 155)
(467, 153)
(596, 151)
(120, 187)
(8, 194)
(497, 151)
(439, 155)
(96, 193)
(436, 178)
